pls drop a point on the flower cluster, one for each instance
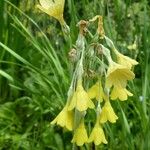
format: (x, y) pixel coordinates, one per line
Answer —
(112, 73)
(111, 84)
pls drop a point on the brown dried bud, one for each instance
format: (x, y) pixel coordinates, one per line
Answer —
(100, 29)
(83, 26)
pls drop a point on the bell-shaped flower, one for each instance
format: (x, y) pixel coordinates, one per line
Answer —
(80, 99)
(125, 60)
(96, 91)
(107, 113)
(53, 8)
(118, 75)
(97, 135)
(121, 59)
(80, 135)
(121, 93)
(64, 118)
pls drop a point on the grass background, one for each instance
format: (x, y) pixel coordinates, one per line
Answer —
(34, 73)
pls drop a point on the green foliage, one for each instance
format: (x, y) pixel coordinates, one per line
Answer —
(35, 73)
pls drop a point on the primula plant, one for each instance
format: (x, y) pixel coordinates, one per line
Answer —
(100, 73)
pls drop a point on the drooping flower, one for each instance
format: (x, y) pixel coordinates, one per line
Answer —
(96, 91)
(53, 8)
(125, 60)
(80, 135)
(121, 59)
(64, 118)
(107, 113)
(97, 135)
(118, 75)
(121, 93)
(80, 99)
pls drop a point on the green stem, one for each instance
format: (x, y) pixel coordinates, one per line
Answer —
(79, 115)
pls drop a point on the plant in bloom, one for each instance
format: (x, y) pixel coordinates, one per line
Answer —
(80, 99)
(120, 93)
(121, 59)
(107, 113)
(111, 78)
(54, 8)
(64, 118)
(80, 135)
(96, 91)
(125, 60)
(97, 135)
(118, 75)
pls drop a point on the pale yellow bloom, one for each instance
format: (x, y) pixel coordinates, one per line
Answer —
(121, 59)
(125, 60)
(64, 118)
(80, 99)
(80, 135)
(96, 91)
(97, 135)
(53, 8)
(118, 75)
(107, 113)
(121, 93)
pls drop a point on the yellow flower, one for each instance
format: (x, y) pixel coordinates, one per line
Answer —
(107, 113)
(80, 99)
(121, 93)
(80, 135)
(121, 59)
(97, 135)
(64, 118)
(96, 91)
(118, 75)
(53, 8)
(125, 60)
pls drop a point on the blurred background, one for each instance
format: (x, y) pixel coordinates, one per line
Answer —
(34, 73)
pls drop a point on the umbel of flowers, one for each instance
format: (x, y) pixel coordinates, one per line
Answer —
(111, 76)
